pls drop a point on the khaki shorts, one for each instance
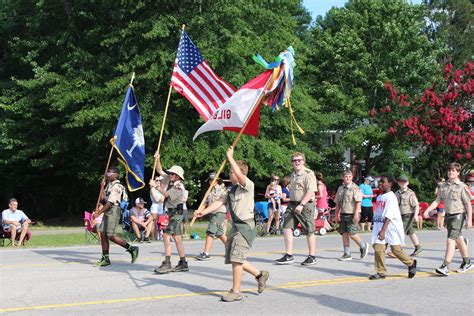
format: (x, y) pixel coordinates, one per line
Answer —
(110, 221)
(347, 225)
(454, 225)
(408, 220)
(306, 218)
(174, 225)
(216, 225)
(236, 247)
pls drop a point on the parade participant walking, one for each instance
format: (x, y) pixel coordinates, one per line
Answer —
(388, 229)
(300, 210)
(457, 205)
(216, 227)
(240, 201)
(367, 209)
(111, 196)
(348, 200)
(409, 209)
(174, 198)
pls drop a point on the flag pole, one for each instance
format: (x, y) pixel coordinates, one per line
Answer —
(234, 143)
(105, 172)
(163, 123)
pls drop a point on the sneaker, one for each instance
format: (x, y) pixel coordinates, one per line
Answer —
(377, 277)
(133, 252)
(103, 262)
(262, 280)
(231, 296)
(417, 251)
(181, 267)
(345, 257)
(309, 261)
(203, 257)
(164, 268)
(147, 239)
(465, 267)
(141, 240)
(286, 259)
(412, 270)
(443, 270)
(391, 255)
(364, 251)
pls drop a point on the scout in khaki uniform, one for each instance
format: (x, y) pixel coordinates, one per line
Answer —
(409, 209)
(240, 201)
(111, 196)
(173, 191)
(457, 205)
(216, 227)
(348, 207)
(300, 210)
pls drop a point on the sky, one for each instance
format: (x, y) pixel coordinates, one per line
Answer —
(320, 7)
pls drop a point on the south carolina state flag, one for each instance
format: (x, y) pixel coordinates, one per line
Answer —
(232, 115)
(129, 142)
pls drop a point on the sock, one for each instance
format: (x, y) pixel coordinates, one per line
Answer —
(362, 247)
(259, 275)
(445, 263)
(291, 256)
(128, 246)
(417, 246)
(346, 250)
(105, 253)
(466, 260)
(167, 258)
(182, 259)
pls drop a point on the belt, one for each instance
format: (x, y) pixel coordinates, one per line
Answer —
(298, 202)
(452, 215)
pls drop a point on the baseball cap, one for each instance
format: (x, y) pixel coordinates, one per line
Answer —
(369, 178)
(403, 178)
(140, 201)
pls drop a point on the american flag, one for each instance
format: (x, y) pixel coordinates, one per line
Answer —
(194, 79)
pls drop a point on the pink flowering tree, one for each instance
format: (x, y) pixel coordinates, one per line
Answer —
(438, 123)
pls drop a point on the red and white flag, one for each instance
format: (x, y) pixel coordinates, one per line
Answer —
(232, 115)
(195, 80)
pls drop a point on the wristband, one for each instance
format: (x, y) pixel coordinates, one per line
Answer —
(302, 204)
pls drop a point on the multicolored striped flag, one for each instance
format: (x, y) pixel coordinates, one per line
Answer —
(196, 81)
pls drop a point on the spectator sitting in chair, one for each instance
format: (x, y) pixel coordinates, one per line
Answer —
(141, 220)
(15, 222)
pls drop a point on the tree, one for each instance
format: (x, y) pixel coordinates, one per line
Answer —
(355, 50)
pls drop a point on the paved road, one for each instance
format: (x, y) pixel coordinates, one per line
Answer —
(63, 280)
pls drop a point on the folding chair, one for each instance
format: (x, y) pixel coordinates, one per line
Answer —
(91, 236)
(6, 236)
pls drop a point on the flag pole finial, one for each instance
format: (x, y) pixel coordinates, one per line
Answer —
(133, 77)
(183, 26)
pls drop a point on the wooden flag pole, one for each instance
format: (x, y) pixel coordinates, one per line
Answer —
(103, 177)
(163, 124)
(234, 144)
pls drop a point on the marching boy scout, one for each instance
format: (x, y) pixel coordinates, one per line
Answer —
(111, 196)
(240, 201)
(300, 210)
(409, 209)
(173, 191)
(216, 227)
(457, 205)
(348, 207)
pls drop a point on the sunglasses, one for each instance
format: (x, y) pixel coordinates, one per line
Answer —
(297, 160)
(276, 179)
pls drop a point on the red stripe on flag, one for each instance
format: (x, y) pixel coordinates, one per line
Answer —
(198, 102)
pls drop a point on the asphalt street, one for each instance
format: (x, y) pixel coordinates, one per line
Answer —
(60, 281)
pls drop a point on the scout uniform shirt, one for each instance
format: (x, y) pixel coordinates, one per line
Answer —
(113, 192)
(407, 201)
(456, 196)
(219, 192)
(301, 183)
(241, 203)
(176, 191)
(347, 198)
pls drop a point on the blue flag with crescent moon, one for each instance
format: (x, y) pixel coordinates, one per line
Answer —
(129, 142)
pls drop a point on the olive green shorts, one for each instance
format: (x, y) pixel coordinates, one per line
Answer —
(408, 220)
(454, 225)
(110, 221)
(174, 225)
(216, 225)
(347, 225)
(236, 247)
(306, 218)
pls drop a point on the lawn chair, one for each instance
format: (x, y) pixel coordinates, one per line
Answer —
(6, 236)
(92, 235)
